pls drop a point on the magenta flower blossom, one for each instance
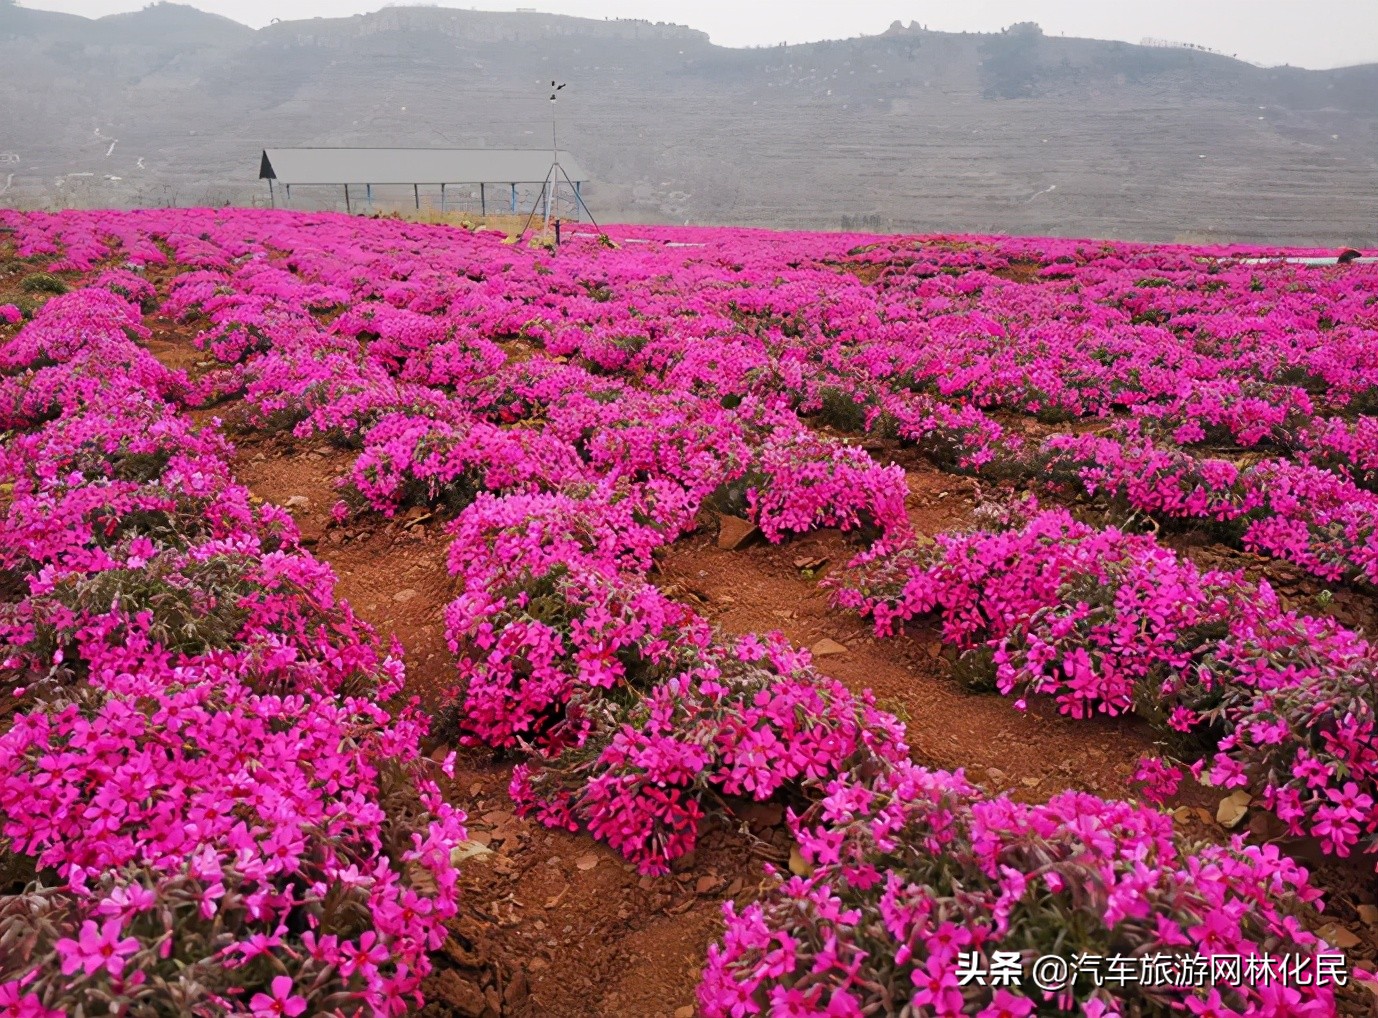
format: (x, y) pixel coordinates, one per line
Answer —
(279, 1001)
(96, 948)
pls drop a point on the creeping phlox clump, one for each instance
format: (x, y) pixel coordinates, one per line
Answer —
(921, 884)
(1107, 622)
(1319, 520)
(206, 802)
(752, 722)
(799, 482)
(633, 712)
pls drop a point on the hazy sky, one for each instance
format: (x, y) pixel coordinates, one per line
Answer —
(1305, 33)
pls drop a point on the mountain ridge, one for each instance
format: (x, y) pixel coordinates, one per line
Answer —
(1013, 132)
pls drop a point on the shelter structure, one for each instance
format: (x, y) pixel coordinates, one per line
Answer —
(418, 167)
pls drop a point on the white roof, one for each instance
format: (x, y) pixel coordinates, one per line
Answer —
(412, 165)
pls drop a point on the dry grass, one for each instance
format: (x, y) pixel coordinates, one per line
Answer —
(509, 224)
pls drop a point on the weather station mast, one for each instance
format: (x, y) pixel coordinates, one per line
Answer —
(550, 193)
(554, 176)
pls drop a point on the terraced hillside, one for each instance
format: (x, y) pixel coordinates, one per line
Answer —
(910, 130)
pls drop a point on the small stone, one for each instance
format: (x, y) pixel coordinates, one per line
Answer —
(298, 502)
(827, 648)
(1337, 936)
(687, 1011)
(798, 865)
(468, 850)
(707, 884)
(1233, 808)
(995, 774)
(1031, 782)
(734, 532)
(403, 596)
(537, 964)
(1369, 914)
(586, 862)
(335, 537)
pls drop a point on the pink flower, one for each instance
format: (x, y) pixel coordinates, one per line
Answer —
(281, 1001)
(1007, 1005)
(936, 987)
(15, 1002)
(1349, 802)
(96, 948)
(365, 956)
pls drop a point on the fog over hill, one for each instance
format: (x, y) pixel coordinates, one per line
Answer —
(1012, 132)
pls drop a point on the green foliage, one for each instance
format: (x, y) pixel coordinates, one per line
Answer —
(42, 282)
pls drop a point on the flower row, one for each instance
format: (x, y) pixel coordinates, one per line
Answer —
(212, 792)
(1108, 622)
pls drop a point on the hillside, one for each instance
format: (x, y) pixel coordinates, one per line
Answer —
(1013, 132)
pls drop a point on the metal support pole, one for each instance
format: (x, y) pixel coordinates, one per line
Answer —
(482, 201)
(348, 209)
(442, 199)
(514, 199)
(578, 199)
(289, 194)
(537, 203)
(368, 192)
(272, 195)
(416, 193)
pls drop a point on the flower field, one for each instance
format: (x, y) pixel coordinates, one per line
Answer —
(398, 620)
